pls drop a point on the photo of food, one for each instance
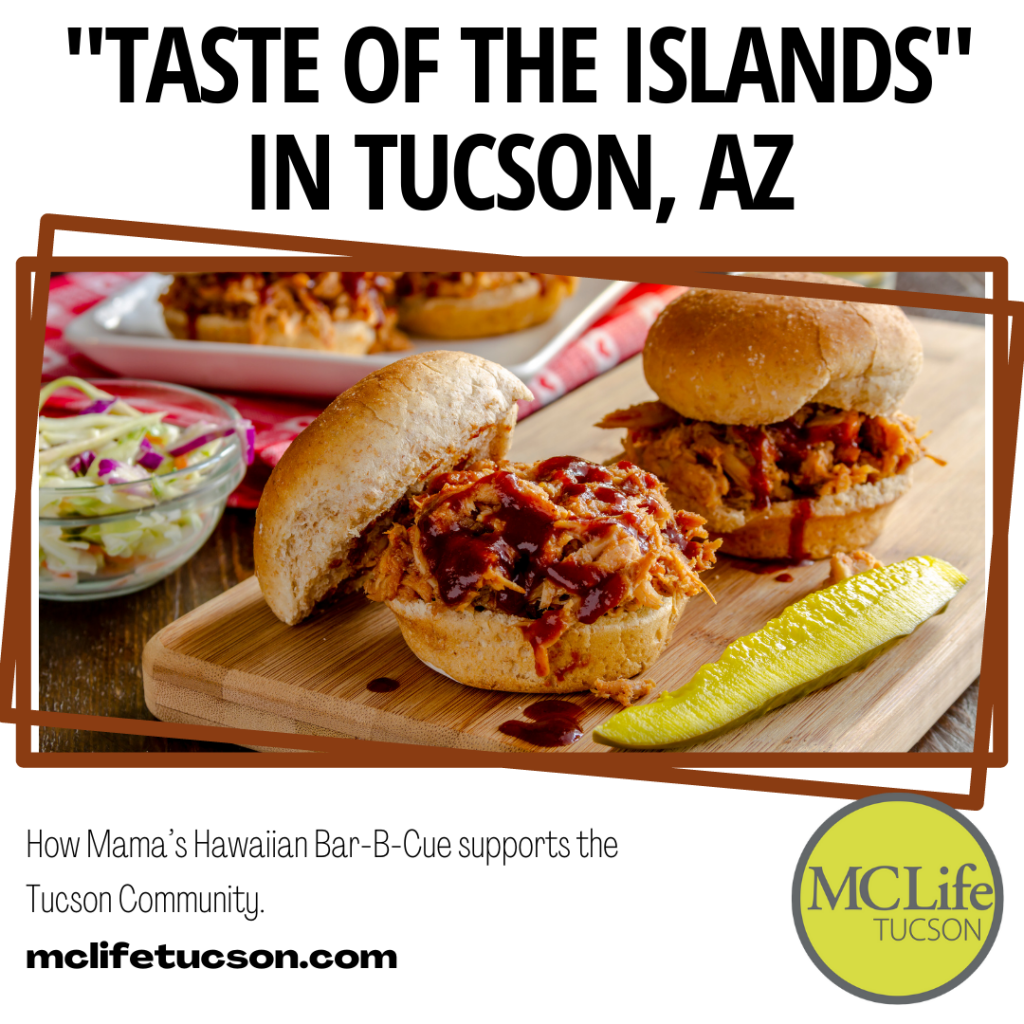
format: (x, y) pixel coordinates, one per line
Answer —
(133, 478)
(468, 305)
(333, 312)
(778, 417)
(554, 577)
(544, 514)
(312, 335)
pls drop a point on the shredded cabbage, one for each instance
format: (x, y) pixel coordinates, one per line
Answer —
(112, 460)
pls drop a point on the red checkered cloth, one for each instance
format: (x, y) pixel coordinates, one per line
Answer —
(613, 338)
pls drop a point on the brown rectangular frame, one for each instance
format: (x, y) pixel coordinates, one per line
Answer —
(333, 752)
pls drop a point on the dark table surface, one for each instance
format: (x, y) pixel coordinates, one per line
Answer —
(90, 652)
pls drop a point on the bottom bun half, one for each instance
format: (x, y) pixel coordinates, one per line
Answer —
(488, 650)
(496, 311)
(837, 523)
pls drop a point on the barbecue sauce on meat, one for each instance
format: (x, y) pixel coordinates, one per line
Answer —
(792, 459)
(789, 445)
(761, 450)
(460, 556)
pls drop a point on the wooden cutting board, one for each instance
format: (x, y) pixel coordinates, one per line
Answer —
(231, 662)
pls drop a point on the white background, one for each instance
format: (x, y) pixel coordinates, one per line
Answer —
(692, 919)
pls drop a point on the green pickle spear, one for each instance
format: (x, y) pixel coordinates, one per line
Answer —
(816, 641)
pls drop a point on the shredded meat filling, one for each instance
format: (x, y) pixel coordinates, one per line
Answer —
(622, 691)
(313, 301)
(554, 543)
(843, 566)
(818, 451)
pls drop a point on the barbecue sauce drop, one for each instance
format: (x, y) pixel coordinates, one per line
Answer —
(764, 566)
(797, 527)
(554, 723)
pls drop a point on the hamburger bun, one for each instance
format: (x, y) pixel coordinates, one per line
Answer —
(502, 310)
(487, 649)
(744, 358)
(385, 436)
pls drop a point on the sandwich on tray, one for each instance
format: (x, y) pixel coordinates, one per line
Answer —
(350, 313)
(778, 417)
(557, 576)
(464, 304)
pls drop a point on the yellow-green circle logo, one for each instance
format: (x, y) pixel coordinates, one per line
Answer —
(897, 898)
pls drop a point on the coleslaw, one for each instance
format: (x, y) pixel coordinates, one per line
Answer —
(126, 495)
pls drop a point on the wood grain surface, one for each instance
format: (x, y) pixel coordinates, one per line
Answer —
(232, 662)
(90, 652)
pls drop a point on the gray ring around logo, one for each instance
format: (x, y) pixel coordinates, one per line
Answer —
(801, 867)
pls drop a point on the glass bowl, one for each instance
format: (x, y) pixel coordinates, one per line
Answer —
(160, 522)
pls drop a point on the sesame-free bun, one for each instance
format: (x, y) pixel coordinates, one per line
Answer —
(488, 650)
(349, 337)
(744, 358)
(490, 311)
(847, 521)
(385, 436)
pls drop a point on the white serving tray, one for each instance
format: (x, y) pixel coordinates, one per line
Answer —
(126, 334)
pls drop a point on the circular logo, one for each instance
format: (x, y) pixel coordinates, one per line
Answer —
(897, 898)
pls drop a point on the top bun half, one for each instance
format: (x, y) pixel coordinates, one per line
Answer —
(743, 358)
(382, 438)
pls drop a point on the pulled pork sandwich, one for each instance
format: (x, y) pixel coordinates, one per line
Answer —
(351, 313)
(555, 577)
(541, 577)
(478, 305)
(777, 418)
